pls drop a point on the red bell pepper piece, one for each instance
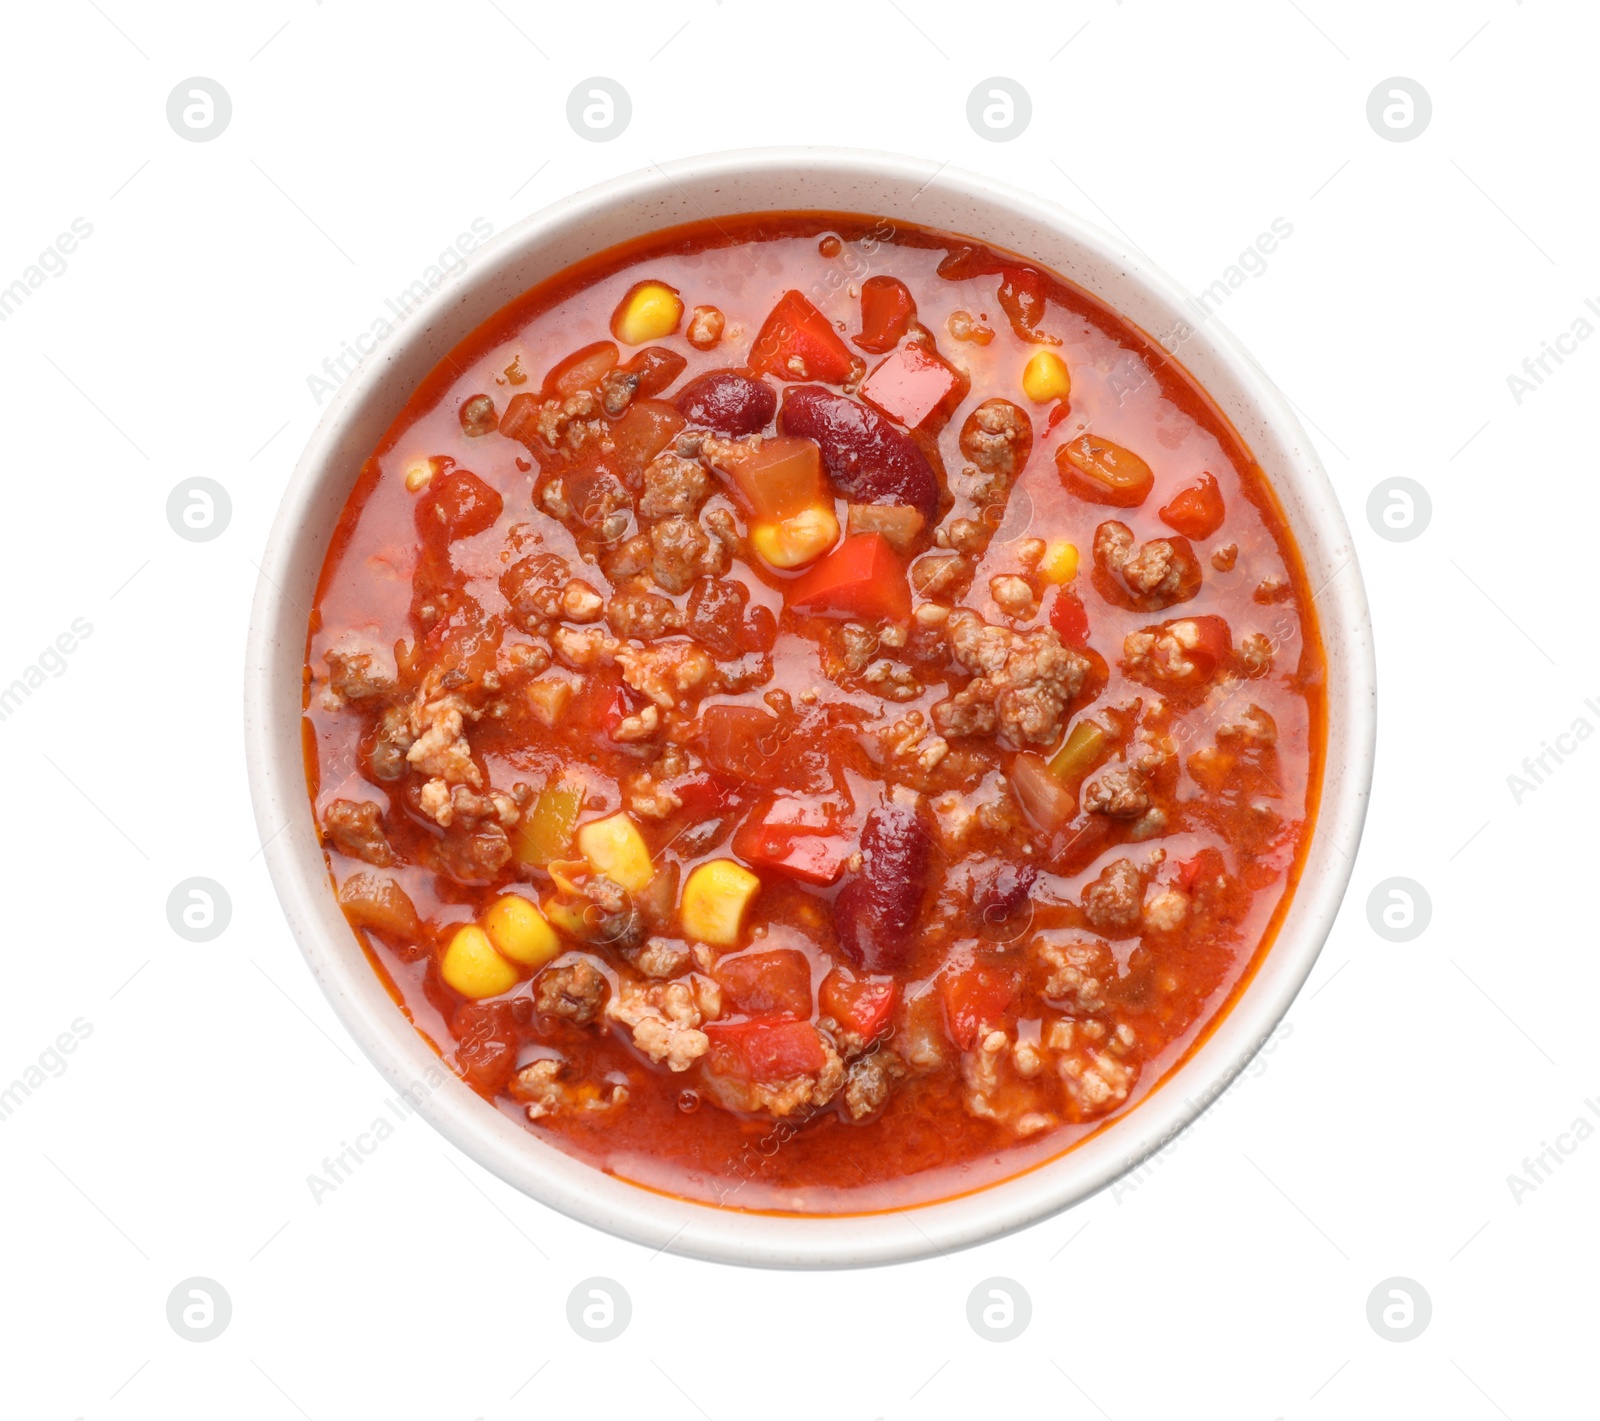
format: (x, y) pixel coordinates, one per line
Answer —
(914, 385)
(795, 836)
(860, 578)
(797, 330)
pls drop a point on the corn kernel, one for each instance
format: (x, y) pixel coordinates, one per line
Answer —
(1045, 378)
(419, 474)
(473, 967)
(519, 931)
(648, 312)
(1060, 562)
(714, 902)
(615, 847)
(793, 542)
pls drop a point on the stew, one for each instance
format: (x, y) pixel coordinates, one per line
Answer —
(813, 713)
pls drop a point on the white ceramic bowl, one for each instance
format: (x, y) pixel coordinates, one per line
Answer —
(691, 190)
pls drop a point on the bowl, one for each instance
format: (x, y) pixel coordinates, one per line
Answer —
(719, 185)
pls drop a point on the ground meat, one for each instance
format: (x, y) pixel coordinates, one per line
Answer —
(1014, 596)
(1022, 682)
(1160, 654)
(351, 677)
(941, 575)
(965, 535)
(568, 424)
(673, 487)
(780, 1098)
(1118, 792)
(909, 743)
(1095, 1080)
(575, 992)
(1079, 970)
(1224, 558)
(608, 916)
(892, 681)
(391, 739)
(543, 1089)
(867, 1084)
(639, 726)
(1251, 729)
(997, 438)
(705, 327)
(532, 588)
(663, 957)
(1255, 654)
(355, 827)
(445, 804)
(642, 616)
(1112, 902)
(580, 602)
(680, 551)
(998, 1079)
(1162, 572)
(475, 857)
(440, 749)
(664, 672)
(1167, 909)
(617, 389)
(665, 1018)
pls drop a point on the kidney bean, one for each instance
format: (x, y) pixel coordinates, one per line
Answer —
(867, 458)
(875, 914)
(728, 402)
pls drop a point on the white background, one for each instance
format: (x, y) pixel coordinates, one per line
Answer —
(1376, 1139)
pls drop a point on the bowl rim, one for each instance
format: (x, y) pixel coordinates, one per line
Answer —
(660, 1221)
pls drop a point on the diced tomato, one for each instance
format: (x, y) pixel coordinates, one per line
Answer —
(460, 504)
(1196, 512)
(795, 836)
(914, 386)
(1068, 617)
(642, 433)
(860, 578)
(766, 983)
(766, 1048)
(976, 998)
(863, 1005)
(1206, 864)
(700, 794)
(744, 742)
(796, 330)
(886, 312)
